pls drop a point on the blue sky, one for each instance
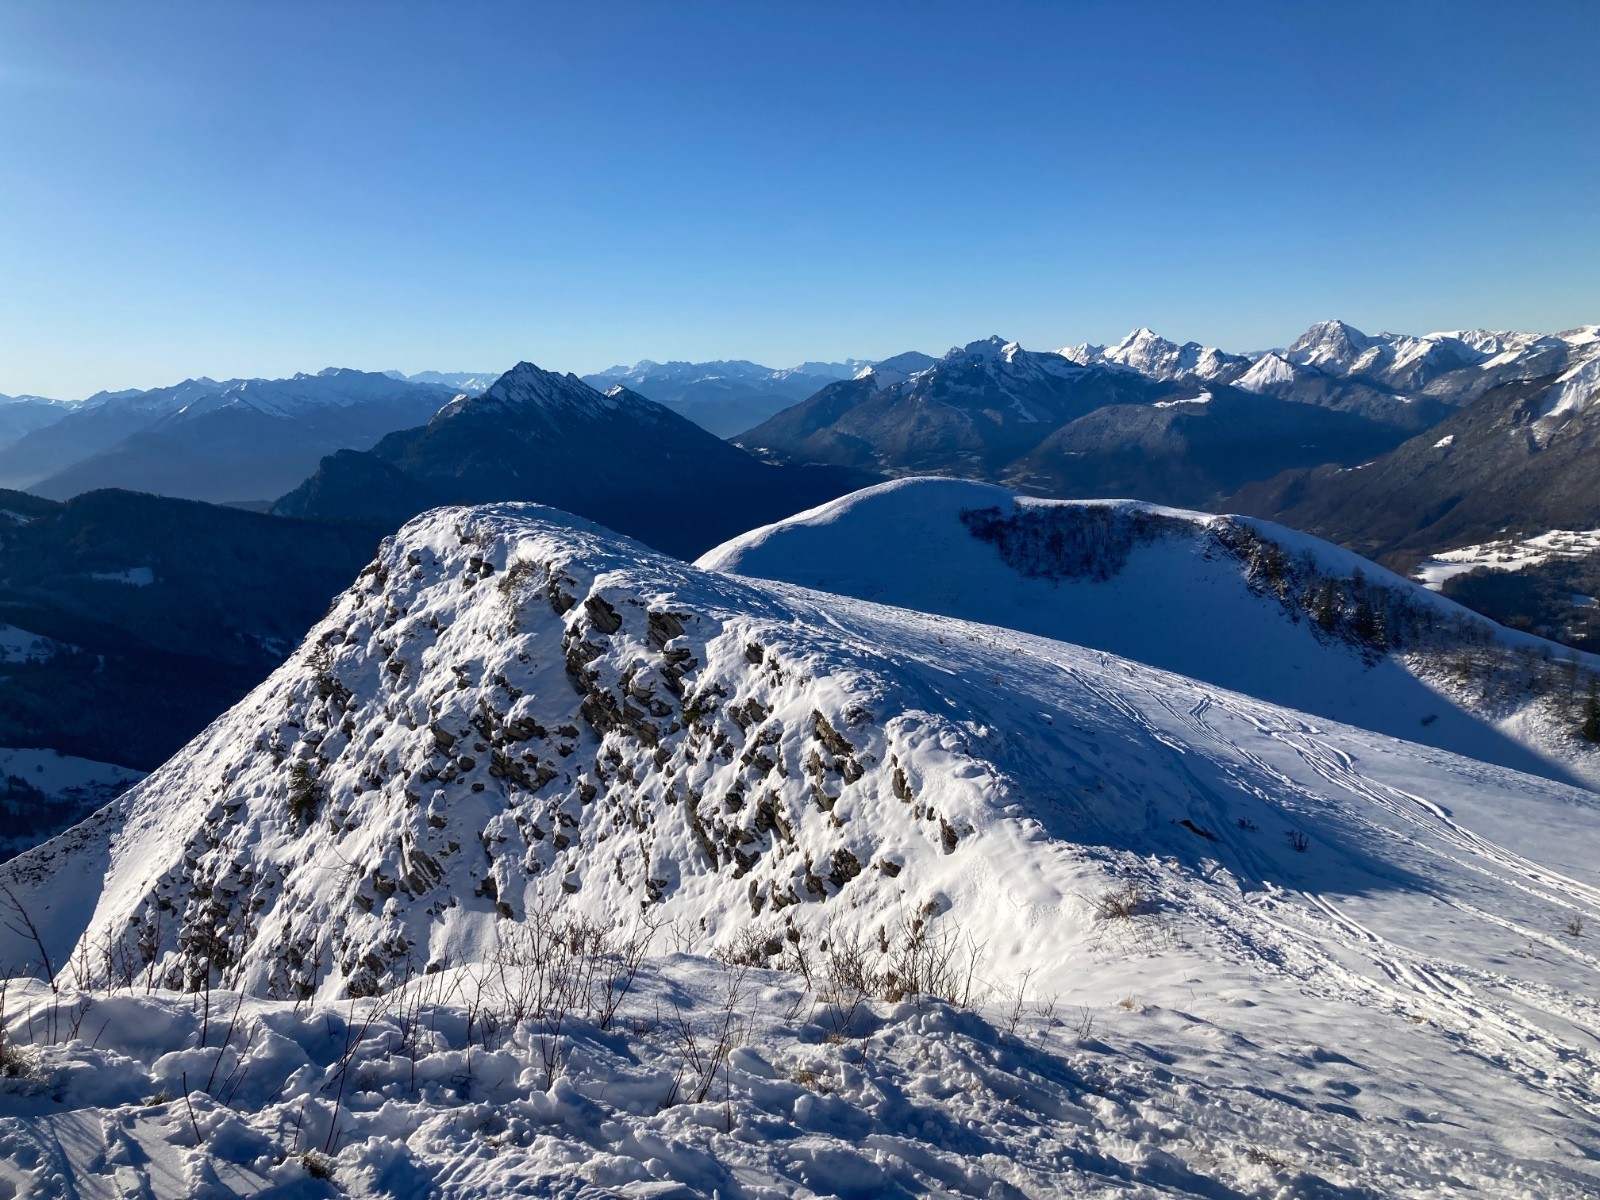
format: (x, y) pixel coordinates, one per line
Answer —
(253, 189)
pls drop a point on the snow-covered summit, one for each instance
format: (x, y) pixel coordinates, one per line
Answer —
(896, 368)
(1328, 345)
(1267, 371)
(527, 390)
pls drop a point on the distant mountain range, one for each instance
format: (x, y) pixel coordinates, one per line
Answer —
(471, 383)
(1181, 424)
(1082, 422)
(725, 397)
(613, 457)
(1519, 459)
(239, 440)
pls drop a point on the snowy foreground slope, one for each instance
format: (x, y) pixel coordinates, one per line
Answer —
(1188, 942)
(1241, 603)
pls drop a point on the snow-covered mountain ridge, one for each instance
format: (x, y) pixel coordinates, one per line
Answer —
(243, 439)
(1351, 937)
(1240, 603)
(527, 391)
(1150, 354)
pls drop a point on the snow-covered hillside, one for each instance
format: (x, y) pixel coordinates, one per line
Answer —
(1377, 952)
(43, 791)
(1243, 604)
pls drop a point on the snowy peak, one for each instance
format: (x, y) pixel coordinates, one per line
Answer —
(984, 350)
(1150, 354)
(1328, 345)
(896, 369)
(1267, 372)
(1005, 361)
(527, 390)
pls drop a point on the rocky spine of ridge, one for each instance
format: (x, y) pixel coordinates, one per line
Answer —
(486, 722)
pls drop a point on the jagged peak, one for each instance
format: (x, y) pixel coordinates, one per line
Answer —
(529, 389)
(985, 349)
(1142, 336)
(1332, 332)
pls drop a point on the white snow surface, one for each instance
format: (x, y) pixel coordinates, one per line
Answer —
(1267, 371)
(1360, 966)
(1508, 554)
(75, 787)
(1180, 602)
(132, 576)
(58, 774)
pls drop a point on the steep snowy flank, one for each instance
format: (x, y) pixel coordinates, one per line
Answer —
(1266, 371)
(1366, 948)
(1242, 604)
(1574, 391)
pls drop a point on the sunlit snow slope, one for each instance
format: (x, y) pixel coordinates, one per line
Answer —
(1241, 603)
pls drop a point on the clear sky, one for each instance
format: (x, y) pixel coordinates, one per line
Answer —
(234, 188)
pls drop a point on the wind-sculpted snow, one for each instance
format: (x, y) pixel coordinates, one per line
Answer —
(1376, 954)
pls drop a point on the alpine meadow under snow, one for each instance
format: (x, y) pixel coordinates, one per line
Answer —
(549, 865)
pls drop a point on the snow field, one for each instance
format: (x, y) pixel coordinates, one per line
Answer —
(717, 1079)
